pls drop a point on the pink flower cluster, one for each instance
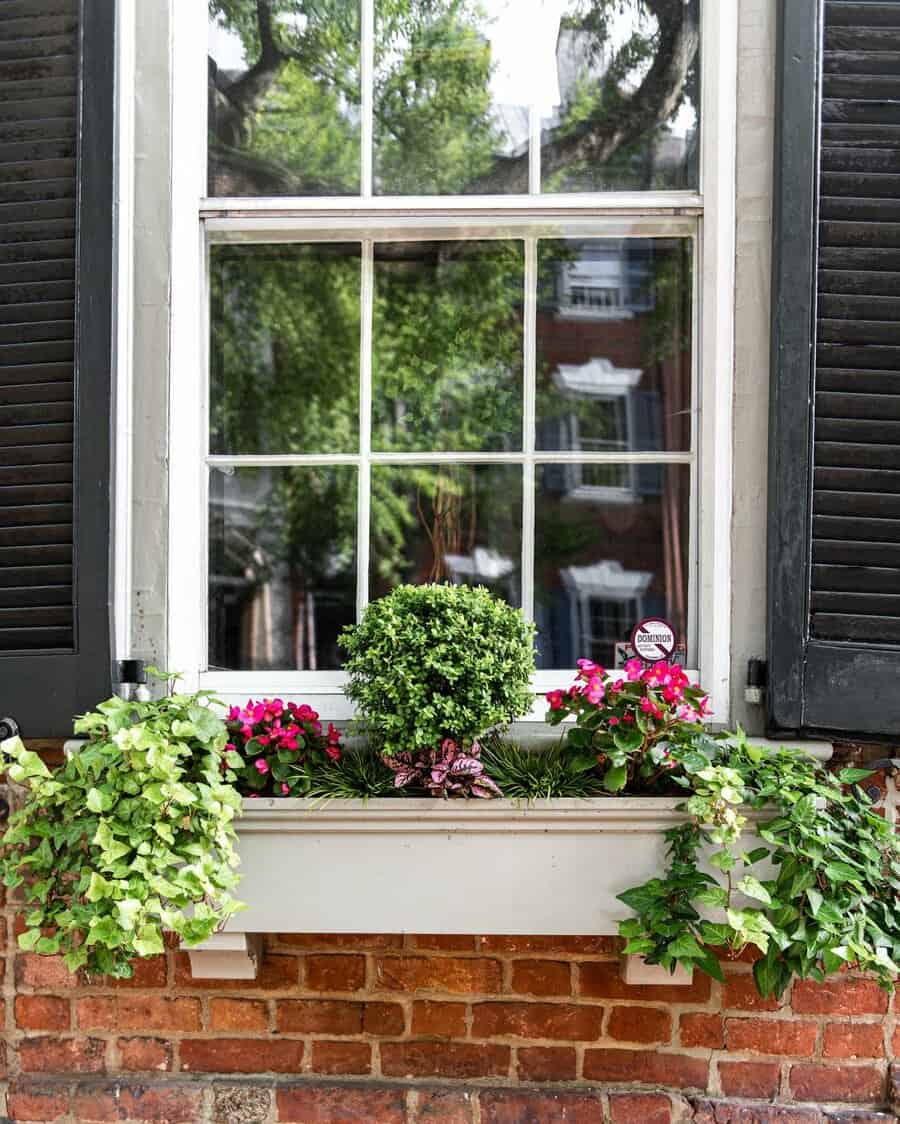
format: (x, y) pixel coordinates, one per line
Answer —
(663, 696)
(270, 737)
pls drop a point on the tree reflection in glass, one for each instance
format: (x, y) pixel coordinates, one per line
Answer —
(458, 88)
(447, 346)
(282, 566)
(453, 523)
(284, 348)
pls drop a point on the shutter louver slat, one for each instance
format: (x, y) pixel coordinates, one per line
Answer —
(38, 118)
(855, 573)
(855, 13)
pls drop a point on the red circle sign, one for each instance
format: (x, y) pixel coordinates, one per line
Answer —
(653, 639)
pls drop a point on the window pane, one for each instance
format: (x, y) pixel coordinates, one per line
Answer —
(611, 547)
(452, 88)
(282, 566)
(614, 344)
(447, 350)
(623, 113)
(284, 98)
(284, 349)
(447, 523)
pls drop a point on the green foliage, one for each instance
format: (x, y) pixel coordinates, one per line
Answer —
(524, 774)
(359, 774)
(438, 661)
(130, 838)
(819, 896)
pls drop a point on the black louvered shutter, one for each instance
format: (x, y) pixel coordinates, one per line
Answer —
(834, 535)
(56, 215)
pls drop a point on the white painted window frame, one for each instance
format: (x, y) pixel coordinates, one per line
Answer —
(707, 217)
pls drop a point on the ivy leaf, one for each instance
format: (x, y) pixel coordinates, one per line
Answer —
(853, 776)
(685, 947)
(841, 872)
(98, 801)
(714, 896)
(753, 888)
(769, 977)
(29, 939)
(643, 898)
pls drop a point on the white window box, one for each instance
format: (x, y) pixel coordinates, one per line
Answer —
(551, 867)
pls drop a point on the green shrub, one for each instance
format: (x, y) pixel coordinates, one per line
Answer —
(430, 662)
(130, 838)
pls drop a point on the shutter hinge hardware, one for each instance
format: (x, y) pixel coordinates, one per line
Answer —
(131, 681)
(755, 688)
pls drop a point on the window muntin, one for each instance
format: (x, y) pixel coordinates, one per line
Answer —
(452, 97)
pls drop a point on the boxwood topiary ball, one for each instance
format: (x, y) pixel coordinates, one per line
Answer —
(430, 662)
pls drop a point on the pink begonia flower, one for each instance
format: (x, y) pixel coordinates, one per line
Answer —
(230, 745)
(306, 713)
(588, 669)
(555, 699)
(285, 788)
(262, 766)
(234, 712)
(614, 721)
(648, 706)
(334, 734)
(628, 718)
(672, 692)
(334, 752)
(247, 732)
(574, 691)
(263, 739)
(594, 691)
(633, 669)
(616, 685)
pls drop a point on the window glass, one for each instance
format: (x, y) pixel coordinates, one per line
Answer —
(282, 566)
(284, 97)
(614, 345)
(447, 523)
(623, 113)
(611, 548)
(284, 351)
(447, 346)
(452, 94)
(606, 91)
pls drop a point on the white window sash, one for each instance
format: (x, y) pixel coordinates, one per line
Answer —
(708, 217)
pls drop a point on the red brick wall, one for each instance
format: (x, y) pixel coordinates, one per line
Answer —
(438, 1030)
(381, 1028)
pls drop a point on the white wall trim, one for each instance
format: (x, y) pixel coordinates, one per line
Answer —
(186, 626)
(719, 43)
(123, 322)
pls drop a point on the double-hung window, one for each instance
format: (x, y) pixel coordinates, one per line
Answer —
(451, 302)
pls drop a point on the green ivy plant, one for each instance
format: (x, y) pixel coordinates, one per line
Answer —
(431, 662)
(130, 838)
(818, 895)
